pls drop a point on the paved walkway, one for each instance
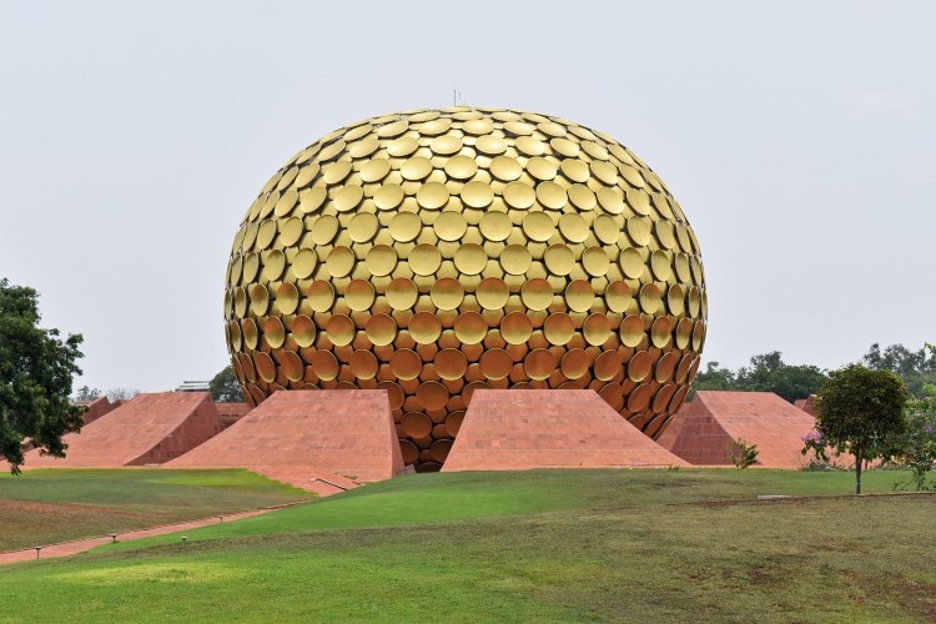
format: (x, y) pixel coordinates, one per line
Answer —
(64, 549)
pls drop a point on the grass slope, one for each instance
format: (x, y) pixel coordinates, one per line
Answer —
(48, 506)
(551, 546)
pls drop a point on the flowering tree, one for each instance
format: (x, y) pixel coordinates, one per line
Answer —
(919, 448)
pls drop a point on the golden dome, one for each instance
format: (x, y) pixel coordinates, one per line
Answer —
(435, 252)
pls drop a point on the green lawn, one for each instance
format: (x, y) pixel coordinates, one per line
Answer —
(543, 546)
(48, 506)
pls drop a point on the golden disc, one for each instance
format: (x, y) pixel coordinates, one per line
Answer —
(336, 172)
(381, 260)
(416, 425)
(250, 332)
(579, 296)
(575, 171)
(477, 194)
(432, 195)
(425, 259)
(559, 328)
(695, 301)
(596, 262)
(698, 335)
(611, 200)
(541, 169)
(596, 329)
(606, 229)
(604, 171)
(311, 199)
(447, 293)
(683, 333)
(360, 295)
(274, 334)
(306, 175)
(666, 367)
(324, 229)
(565, 147)
(551, 195)
(265, 366)
(676, 300)
(518, 128)
(446, 145)
(516, 328)
(405, 226)
(252, 265)
(395, 394)
(266, 234)
(388, 196)
(393, 129)
(461, 167)
(324, 365)
(287, 298)
(530, 146)
(682, 371)
(491, 145)
(505, 168)
(496, 364)
(608, 365)
(539, 364)
(450, 226)
(434, 127)
(440, 449)
(639, 201)
(595, 150)
(274, 264)
(402, 147)
(432, 396)
(682, 267)
(363, 149)
(470, 328)
(575, 363)
(303, 265)
(537, 294)
(405, 364)
(321, 296)
(492, 293)
(409, 451)
(639, 398)
(519, 195)
(381, 329)
(516, 259)
(631, 263)
(650, 298)
(495, 226)
(618, 296)
(402, 293)
(340, 261)
(638, 228)
(538, 226)
(573, 227)
(303, 331)
(470, 258)
(663, 397)
(640, 366)
(246, 364)
(549, 128)
(416, 168)
(661, 265)
(478, 127)
(559, 259)
(632, 176)
(375, 170)
(286, 203)
(632, 331)
(425, 327)
(450, 364)
(363, 364)
(291, 230)
(259, 299)
(661, 332)
(362, 227)
(340, 330)
(235, 331)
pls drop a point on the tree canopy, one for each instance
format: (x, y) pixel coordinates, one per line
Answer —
(862, 411)
(916, 368)
(36, 370)
(767, 372)
(224, 387)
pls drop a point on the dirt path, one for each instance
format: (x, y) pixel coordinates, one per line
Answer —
(64, 549)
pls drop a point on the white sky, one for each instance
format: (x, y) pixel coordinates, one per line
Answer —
(799, 137)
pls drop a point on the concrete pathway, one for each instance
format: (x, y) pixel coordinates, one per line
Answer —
(64, 549)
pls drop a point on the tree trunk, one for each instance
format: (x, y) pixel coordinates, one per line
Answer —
(858, 459)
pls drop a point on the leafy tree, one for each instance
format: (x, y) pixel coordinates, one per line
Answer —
(225, 388)
(861, 411)
(36, 369)
(918, 451)
(714, 377)
(917, 368)
(767, 372)
(85, 394)
(121, 394)
(742, 454)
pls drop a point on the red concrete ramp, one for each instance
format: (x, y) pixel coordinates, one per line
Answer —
(149, 429)
(704, 430)
(305, 436)
(97, 408)
(524, 429)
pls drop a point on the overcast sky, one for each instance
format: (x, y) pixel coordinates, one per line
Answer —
(799, 137)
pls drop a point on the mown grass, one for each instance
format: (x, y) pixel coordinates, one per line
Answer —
(48, 506)
(550, 546)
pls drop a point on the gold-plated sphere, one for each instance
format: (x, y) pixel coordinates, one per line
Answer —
(435, 252)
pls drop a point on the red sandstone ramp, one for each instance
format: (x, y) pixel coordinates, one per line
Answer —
(524, 429)
(149, 429)
(97, 408)
(299, 436)
(704, 430)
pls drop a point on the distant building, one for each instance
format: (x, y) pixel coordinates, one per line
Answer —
(193, 386)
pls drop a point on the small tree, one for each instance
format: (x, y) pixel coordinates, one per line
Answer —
(84, 394)
(225, 388)
(861, 411)
(742, 454)
(36, 370)
(121, 394)
(919, 446)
